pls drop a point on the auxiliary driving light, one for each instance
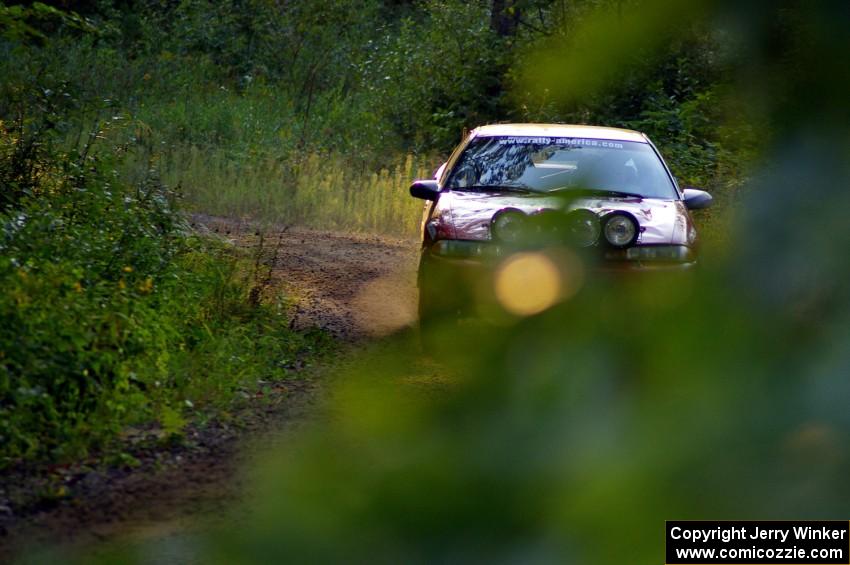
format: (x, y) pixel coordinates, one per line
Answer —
(508, 225)
(621, 229)
(583, 228)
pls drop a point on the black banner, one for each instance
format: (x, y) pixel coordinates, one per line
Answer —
(767, 542)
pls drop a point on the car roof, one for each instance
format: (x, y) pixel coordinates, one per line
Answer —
(559, 130)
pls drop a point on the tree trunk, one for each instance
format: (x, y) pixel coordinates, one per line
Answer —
(504, 17)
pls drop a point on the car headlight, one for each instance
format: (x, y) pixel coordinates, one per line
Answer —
(508, 225)
(464, 248)
(620, 229)
(673, 253)
(654, 253)
(583, 228)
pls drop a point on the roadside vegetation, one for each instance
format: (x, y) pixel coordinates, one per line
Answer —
(113, 313)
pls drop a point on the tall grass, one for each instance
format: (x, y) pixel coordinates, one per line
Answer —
(329, 192)
(321, 191)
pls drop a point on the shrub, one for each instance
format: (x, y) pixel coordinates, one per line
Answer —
(111, 312)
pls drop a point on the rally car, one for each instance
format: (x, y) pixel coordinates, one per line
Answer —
(605, 194)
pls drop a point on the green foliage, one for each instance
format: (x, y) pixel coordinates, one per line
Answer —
(676, 92)
(111, 314)
(27, 23)
(438, 73)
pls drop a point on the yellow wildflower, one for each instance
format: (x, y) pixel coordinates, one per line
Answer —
(146, 286)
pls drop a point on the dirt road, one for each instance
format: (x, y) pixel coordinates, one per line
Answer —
(356, 287)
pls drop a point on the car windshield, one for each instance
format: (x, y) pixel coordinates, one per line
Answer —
(546, 165)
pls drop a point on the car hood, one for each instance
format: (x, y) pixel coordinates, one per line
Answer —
(661, 221)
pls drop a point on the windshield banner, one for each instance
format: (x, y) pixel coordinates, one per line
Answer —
(569, 141)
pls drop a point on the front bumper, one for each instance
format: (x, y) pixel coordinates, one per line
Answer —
(482, 258)
(468, 284)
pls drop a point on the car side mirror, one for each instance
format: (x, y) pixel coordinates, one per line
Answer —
(425, 189)
(697, 199)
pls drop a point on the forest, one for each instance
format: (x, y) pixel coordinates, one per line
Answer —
(122, 121)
